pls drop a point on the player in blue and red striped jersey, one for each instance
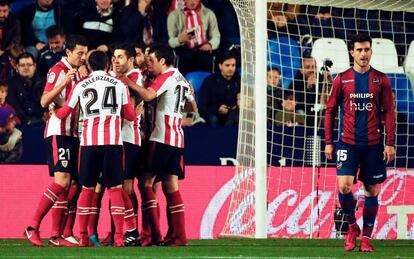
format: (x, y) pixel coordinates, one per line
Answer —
(364, 95)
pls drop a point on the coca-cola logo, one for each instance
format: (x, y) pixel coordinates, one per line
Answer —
(290, 198)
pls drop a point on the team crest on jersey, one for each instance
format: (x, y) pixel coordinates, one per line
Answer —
(64, 163)
(51, 77)
(339, 165)
(376, 80)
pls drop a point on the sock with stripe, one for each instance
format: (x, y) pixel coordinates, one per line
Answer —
(347, 202)
(176, 207)
(134, 200)
(130, 222)
(94, 213)
(49, 198)
(369, 214)
(117, 211)
(58, 211)
(84, 205)
(73, 196)
(150, 209)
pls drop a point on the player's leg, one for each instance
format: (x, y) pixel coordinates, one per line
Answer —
(95, 210)
(175, 203)
(131, 158)
(60, 184)
(88, 178)
(346, 172)
(373, 172)
(112, 178)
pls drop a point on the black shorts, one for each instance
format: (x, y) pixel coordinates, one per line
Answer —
(62, 155)
(106, 159)
(132, 158)
(165, 159)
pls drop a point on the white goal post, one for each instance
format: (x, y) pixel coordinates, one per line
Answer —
(283, 186)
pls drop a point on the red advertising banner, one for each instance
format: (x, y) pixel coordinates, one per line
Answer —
(207, 192)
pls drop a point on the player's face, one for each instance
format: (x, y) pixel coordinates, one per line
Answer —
(3, 94)
(57, 43)
(228, 68)
(309, 67)
(154, 65)
(120, 61)
(273, 78)
(4, 12)
(139, 57)
(77, 57)
(103, 4)
(362, 54)
(45, 3)
(26, 67)
(192, 4)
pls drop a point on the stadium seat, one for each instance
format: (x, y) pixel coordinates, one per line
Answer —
(403, 94)
(284, 54)
(196, 78)
(333, 49)
(409, 59)
(384, 56)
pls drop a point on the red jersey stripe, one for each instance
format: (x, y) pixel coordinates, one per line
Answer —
(167, 136)
(107, 124)
(95, 131)
(117, 128)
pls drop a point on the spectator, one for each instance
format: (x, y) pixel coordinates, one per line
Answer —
(53, 51)
(9, 27)
(8, 61)
(37, 17)
(25, 90)
(281, 105)
(304, 88)
(220, 92)
(194, 35)
(98, 22)
(282, 20)
(143, 21)
(11, 148)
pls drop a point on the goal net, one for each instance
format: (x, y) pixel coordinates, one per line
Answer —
(306, 46)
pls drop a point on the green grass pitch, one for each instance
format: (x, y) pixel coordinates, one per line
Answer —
(221, 248)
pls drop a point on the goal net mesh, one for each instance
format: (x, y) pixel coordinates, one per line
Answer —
(306, 48)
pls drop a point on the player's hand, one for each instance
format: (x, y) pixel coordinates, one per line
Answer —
(69, 75)
(206, 47)
(191, 90)
(389, 153)
(139, 109)
(83, 71)
(329, 151)
(223, 109)
(184, 37)
(40, 45)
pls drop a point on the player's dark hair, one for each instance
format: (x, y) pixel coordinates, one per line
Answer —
(74, 40)
(3, 84)
(127, 47)
(226, 55)
(5, 2)
(140, 45)
(359, 38)
(98, 60)
(163, 51)
(54, 31)
(26, 55)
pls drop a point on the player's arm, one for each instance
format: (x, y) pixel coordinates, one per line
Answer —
(50, 94)
(190, 105)
(70, 104)
(331, 109)
(388, 107)
(146, 94)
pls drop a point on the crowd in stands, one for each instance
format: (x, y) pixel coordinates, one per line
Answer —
(202, 33)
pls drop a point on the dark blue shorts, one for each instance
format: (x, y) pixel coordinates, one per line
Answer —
(368, 159)
(62, 155)
(164, 160)
(132, 158)
(101, 161)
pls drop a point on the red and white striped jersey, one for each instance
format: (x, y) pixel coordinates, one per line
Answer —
(131, 132)
(101, 98)
(55, 126)
(173, 91)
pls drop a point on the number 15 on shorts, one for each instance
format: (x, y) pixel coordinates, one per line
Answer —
(341, 155)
